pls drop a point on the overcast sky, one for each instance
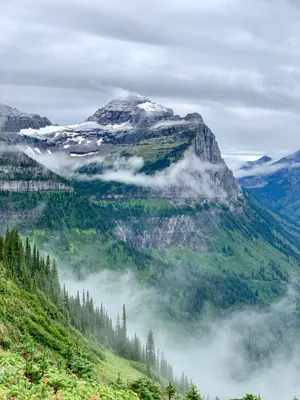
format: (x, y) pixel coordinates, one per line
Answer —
(237, 62)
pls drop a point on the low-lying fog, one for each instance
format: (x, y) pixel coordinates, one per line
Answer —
(248, 352)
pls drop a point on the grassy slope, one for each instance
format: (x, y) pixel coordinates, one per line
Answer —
(20, 310)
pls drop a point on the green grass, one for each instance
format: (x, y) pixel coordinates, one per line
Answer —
(57, 383)
(21, 312)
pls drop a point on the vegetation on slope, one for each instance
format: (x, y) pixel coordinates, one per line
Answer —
(55, 341)
(49, 347)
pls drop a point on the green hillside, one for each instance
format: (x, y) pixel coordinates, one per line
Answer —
(52, 343)
(251, 259)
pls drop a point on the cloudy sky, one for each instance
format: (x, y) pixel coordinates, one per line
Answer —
(237, 62)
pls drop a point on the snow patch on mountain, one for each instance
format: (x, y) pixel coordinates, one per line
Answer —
(91, 153)
(41, 131)
(148, 106)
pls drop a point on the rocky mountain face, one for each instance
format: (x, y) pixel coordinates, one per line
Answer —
(135, 127)
(12, 120)
(133, 148)
(20, 173)
(181, 165)
(150, 192)
(278, 186)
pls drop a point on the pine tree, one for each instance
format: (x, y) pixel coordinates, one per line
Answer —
(124, 351)
(27, 268)
(1, 247)
(55, 286)
(124, 322)
(150, 350)
(193, 394)
(28, 260)
(171, 391)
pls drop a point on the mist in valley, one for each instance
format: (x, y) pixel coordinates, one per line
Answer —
(248, 351)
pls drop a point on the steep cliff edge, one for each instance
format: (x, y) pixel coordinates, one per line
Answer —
(12, 120)
(152, 154)
(20, 173)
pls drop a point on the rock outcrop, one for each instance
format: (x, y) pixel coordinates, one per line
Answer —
(12, 120)
(20, 173)
(31, 186)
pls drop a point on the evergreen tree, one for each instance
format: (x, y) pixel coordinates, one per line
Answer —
(171, 391)
(1, 247)
(150, 349)
(193, 394)
(25, 266)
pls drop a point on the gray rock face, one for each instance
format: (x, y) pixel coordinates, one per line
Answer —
(182, 230)
(133, 110)
(12, 120)
(20, 173)
(182, 162)
(136, 126)
(31, 186)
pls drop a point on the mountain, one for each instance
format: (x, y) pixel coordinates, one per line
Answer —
(251, 164)
(280, 188)
(12, 120)
(20, 173)
(151, 193)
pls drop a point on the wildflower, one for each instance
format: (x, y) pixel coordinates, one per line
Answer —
(45, 380)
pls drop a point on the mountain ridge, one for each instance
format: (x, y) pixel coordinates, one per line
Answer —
(279, 187)
(13, 120)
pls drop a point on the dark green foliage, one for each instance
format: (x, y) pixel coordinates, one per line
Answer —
(171, 391)
(193, 394)
(51, 210)
(35, 361)
(146, 389)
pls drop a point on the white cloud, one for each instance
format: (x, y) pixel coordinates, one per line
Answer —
(190, 176)
(266, 169)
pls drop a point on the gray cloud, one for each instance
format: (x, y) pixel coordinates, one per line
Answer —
(66, 58)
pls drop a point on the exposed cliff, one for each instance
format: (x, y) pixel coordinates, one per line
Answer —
(20, 173)
(12, 120)
(31, 186)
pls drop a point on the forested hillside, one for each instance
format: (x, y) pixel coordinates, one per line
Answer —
(43, 328)
(55, 346)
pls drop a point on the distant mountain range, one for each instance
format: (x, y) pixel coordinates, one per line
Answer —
(276, 185)
(252, 164)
